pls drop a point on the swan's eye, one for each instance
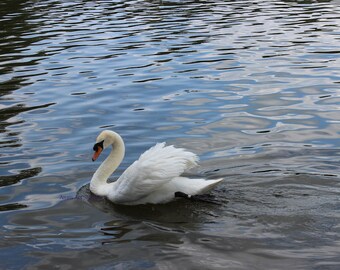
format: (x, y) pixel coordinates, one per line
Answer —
(99, 144)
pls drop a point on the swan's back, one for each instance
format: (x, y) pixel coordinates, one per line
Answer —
(156, 167)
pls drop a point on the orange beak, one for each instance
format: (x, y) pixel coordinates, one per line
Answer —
(96, 154)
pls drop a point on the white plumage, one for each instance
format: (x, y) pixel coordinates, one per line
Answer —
(153, 178)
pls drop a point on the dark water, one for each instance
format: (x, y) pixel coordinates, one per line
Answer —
(250, 86)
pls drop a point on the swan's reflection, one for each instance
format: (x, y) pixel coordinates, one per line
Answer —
(181, 211)
(175, 217)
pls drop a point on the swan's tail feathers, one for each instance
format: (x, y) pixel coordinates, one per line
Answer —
(198, 190)
(211, 184)
(194, 186)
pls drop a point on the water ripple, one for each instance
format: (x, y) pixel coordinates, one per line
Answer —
(251, 86)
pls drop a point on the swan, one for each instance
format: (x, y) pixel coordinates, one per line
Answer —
(154, 178)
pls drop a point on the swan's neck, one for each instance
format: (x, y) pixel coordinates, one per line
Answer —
(98, 184)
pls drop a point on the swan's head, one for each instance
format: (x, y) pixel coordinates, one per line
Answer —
(104, 140)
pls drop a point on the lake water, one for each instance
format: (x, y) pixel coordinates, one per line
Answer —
(252, 87)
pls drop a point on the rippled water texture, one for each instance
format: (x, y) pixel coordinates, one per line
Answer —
(250, 86)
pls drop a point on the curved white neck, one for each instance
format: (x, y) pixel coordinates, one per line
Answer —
(98, 184)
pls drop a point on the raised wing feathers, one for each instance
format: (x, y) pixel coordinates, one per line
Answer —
(154, 168)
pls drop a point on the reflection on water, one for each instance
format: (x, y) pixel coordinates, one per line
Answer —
(252, 87)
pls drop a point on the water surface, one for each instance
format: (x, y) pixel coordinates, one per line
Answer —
(250, 86)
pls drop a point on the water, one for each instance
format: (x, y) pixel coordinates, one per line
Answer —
(250, 86)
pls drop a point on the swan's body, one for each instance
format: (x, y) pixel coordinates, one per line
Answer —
(153, 178)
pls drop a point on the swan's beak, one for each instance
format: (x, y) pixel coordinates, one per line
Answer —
(97, 153)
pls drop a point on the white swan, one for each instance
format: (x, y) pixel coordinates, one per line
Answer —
(153, 178)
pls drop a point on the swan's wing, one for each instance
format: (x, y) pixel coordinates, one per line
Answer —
(154, 168)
